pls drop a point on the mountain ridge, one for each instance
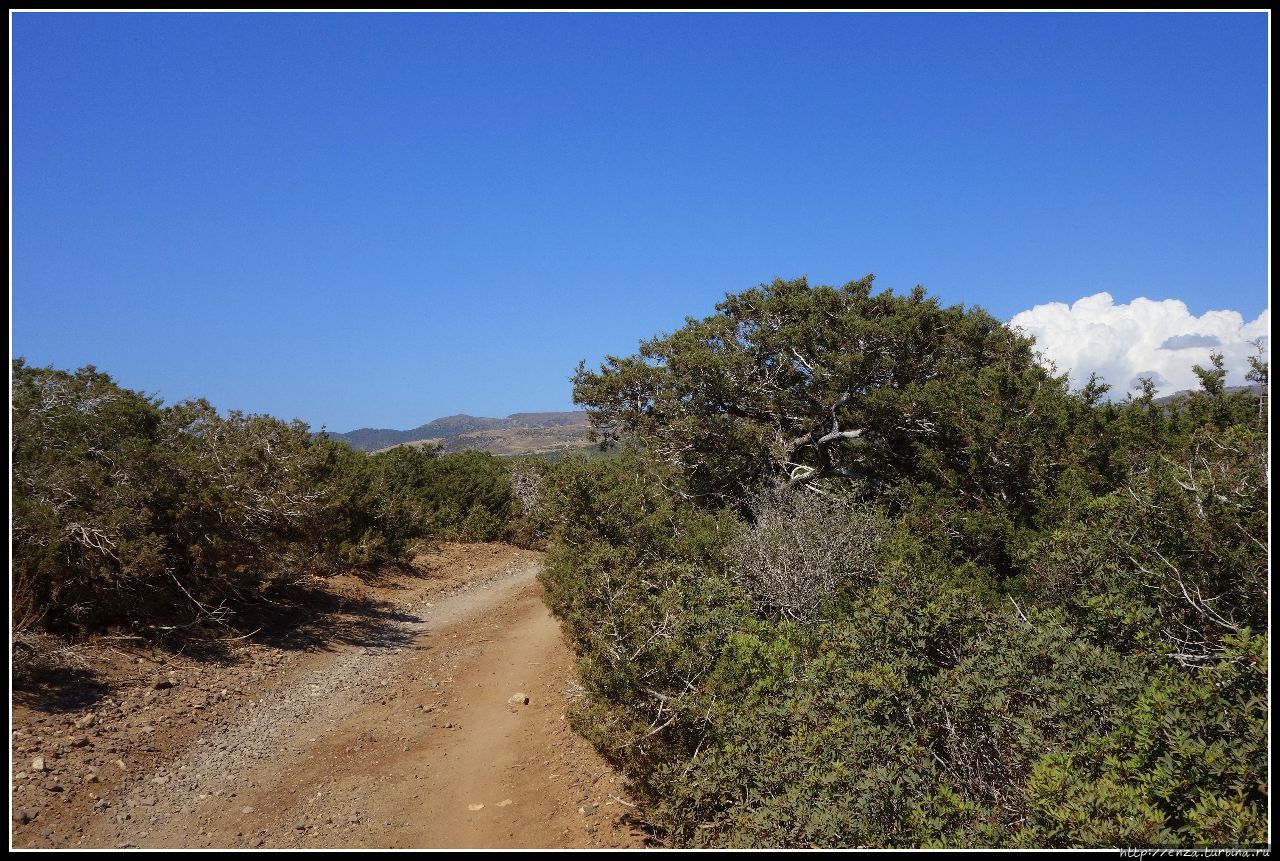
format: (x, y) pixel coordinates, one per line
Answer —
(447, 427)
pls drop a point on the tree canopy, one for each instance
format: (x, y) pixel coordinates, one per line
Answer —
(789, 384)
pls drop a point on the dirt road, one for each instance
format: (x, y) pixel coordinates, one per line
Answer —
(415, 735)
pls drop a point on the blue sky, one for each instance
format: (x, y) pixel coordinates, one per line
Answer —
(375, 220)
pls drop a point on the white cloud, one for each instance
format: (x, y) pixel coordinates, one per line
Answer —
(1143, 338)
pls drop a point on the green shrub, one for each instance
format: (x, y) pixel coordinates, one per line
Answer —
(124, 510)
(1033, 618)
(127, 512)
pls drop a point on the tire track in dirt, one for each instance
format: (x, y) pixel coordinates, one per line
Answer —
(409, 741)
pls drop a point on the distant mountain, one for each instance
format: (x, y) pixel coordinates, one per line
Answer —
(1256, 391)
(518, 433)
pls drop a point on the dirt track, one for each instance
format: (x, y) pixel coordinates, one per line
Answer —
(404, 738)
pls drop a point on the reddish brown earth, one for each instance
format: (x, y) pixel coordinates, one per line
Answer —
(387, 722)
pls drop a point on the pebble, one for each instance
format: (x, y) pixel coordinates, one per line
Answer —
(228, 748)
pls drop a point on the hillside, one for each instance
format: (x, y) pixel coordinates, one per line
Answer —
(1181, 396)
(518, 433)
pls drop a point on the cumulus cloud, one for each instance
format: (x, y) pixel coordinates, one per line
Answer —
(1121, 343)
(1181, 342)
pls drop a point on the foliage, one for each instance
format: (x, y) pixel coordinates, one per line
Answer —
(1185, 767)
(122, 507)
(1011, 615)
(126, 511)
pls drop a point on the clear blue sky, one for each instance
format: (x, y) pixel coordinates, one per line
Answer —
(375, 220)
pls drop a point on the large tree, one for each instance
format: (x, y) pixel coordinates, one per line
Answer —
(788, 385)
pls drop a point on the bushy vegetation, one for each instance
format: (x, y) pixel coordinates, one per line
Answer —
(866, 574)
(129, 512)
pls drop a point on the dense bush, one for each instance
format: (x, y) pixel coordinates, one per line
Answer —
(130, 512)
(123, 508)
(790, 384)
(1014, 615)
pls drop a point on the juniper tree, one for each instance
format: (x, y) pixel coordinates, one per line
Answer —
(789, 385)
